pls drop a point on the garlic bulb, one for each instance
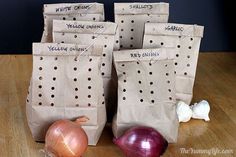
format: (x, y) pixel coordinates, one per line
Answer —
(201, 110)
(184, 111)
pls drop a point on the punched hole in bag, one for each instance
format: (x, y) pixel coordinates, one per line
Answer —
(167, 75)
(182, 38)
(144, 86)
(89, 79)
(179, 59)
(47, 90)
(74, 79)
(95, 35)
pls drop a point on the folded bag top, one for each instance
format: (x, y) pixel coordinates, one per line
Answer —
(85, 27)
(143, 55)
(73, 8)
(173, 29)
(57, 49)
(141, 8)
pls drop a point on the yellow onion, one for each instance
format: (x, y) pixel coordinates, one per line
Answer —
(65, 138)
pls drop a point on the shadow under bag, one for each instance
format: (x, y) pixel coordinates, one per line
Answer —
(146, 91)
(66, 83)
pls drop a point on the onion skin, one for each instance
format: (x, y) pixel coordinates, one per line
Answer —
(65, 138)
(142, 142)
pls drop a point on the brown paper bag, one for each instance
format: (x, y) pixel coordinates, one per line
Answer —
(131, 18)
(92, 33)
(70, 11)
(186, 40)
(146, 92)
(86, 32)
(66, 84)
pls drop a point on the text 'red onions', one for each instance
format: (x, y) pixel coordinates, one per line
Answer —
(65, 138)
(142, 142)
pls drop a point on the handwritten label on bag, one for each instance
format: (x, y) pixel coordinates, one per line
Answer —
(64, 49)
(174, 28)
(140, 6)
(144, 54)
(70, 8)
(81, 26)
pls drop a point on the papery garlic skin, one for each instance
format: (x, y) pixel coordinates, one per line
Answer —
(201, 110)
(184, 111)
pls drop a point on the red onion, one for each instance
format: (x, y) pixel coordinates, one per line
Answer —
(142, 142)
(65, 138)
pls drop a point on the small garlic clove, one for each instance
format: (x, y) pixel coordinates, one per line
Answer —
(184, 111)
(201, 110)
